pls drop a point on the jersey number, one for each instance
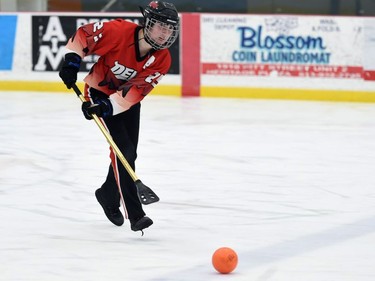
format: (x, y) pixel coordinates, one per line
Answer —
(96, 26)
(154, 79)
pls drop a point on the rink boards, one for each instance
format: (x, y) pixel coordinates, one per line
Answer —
(218, 55)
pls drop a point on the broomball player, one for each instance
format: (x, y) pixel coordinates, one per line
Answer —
(133, 60)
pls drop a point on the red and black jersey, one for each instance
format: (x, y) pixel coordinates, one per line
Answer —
(120, 67)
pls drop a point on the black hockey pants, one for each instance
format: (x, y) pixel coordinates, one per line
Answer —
(124, 129)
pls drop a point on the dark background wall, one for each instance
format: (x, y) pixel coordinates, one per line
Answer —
(308, 7)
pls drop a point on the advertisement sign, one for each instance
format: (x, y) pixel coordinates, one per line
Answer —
(50, 34)
(8, 24)
(282, 45)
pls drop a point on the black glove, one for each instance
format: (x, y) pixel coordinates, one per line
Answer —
(102, 107)
(70, 68)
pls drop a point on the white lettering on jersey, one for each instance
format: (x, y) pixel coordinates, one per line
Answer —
(149, 62)
(122, 72)
(97, 26)
(154, 79)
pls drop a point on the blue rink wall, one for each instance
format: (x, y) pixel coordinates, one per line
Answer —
(262, 57)
(8, 24)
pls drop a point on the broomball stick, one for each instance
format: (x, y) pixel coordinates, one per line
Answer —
(145, 194)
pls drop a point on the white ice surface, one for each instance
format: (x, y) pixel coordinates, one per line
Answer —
(289, 185)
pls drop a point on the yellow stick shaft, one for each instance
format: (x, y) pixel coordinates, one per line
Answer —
(109, 139)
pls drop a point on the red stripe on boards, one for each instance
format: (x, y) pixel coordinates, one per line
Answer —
(190, 44)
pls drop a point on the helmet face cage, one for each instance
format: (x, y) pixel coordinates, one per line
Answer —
(164, 17)
(166, 29)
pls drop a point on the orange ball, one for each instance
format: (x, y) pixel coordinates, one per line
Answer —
(224, 260)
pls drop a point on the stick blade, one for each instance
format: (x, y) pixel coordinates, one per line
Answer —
(145, 194)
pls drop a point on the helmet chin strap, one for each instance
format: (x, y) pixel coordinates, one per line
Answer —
(151, 43)
(148, 41)
(145, 38)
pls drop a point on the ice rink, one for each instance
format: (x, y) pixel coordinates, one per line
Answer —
(289, 185)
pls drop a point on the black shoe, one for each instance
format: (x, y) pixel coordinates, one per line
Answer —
(140, 223)
(113, 214)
